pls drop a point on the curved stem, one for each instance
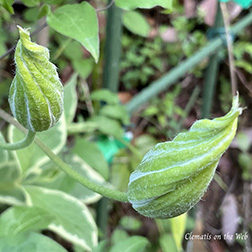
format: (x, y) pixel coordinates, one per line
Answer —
(102, 189)
(98, 188)
(19, 145)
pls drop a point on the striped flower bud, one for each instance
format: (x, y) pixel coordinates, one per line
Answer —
(173, 176)
(36, 93)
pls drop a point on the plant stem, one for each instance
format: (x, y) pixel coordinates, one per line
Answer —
(111, 70)
(211, 72)
(19, 145)
(112, 52)
(102, 189)
(229, 47)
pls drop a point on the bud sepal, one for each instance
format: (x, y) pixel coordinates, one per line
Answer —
(36, 93)
(174, 175)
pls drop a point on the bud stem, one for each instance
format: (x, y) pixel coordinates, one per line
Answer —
(98, 188)
(19, 145)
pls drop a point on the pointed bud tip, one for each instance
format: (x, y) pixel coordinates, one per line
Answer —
(21, 29)
(236, 104)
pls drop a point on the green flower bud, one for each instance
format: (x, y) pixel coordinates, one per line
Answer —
(36, 93)
(173, 176)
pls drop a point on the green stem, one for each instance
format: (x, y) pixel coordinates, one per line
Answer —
(211, 73)
(98, 188)
(101, 189)
(19, 145)
(112, 49)
(220, 182)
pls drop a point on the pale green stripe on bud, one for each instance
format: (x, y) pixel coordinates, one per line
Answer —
(173, 176)
(36, 93)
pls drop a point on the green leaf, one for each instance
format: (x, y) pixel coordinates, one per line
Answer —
(3, 49)
(4, 157)
(130, 223)
(104, 95)
(43, 11)
(7, 4)
(151, 110)
(29, 242)
(116, 111)
(108, 126)
(31, 3)
(72, 220)
(68, 185)
(120, 172)
(70, 98)
(118, 235)
(101, 247)
(131, 244)
(12, 194)
(77, 21)
(32, 157)
(136, 23)
(146, 4)
(51, 2)
(19, 219)
(73, 49)
(90, 153)
(10, 172)
(83, 67)
(47, 174)
(31, 14)
(247, 66)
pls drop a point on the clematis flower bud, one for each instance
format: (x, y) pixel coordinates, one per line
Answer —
(36, 93)
(174, 175)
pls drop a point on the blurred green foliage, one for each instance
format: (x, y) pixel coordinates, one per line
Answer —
(147, 59)
(99, 115)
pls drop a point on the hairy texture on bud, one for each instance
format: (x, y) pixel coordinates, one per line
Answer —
(36, 93)
(173, 176)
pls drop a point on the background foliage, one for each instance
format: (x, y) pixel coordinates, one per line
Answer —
(42, 209)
